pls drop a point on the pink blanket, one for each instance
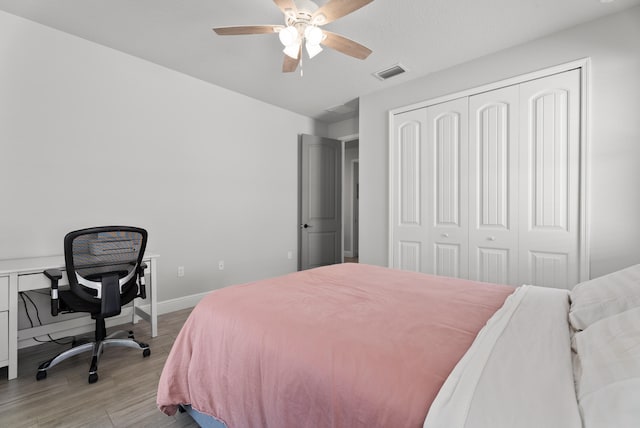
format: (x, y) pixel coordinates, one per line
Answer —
(346, 345)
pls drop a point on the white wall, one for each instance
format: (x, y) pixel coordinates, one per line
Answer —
(613, 44)
(345, 129)
(91, 136)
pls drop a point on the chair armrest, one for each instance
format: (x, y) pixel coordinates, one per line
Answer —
(142, 286)
(54, 275)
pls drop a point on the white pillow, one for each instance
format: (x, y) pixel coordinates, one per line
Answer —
(616, 406)
(604, 296)
(608, 371)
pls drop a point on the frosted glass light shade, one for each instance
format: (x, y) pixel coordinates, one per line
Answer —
(313, 35)
(312, 49)
(292, 50)
(289, 36)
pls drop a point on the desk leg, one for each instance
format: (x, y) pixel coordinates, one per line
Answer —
(134, 317)
(154, 298)
(13, 326)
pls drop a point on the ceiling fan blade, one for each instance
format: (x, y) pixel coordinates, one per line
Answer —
(334, 9)
(290, 64)
(286, 6)
(248, 29)
(344, 45)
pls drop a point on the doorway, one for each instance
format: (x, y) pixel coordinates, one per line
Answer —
(328, 207)
(350, 194)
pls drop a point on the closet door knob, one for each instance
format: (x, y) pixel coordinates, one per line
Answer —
(491, 238)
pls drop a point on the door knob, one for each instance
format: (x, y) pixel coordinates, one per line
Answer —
(491, 238)
(305, 226)
(445, 235)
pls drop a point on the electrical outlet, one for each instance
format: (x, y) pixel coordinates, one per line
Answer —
(180, 271)
(221, 265)
(289, 255)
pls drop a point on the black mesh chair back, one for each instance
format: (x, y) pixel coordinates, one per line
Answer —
(102, 263)
(105, 271)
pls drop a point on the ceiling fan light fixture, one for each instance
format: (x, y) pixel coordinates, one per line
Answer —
(313, 35)
(313, 49)
(289, 36)
(292, 50)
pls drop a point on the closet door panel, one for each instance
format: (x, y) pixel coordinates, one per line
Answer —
(549, 189)
(493, 178)
(409, 229)
(446, 182)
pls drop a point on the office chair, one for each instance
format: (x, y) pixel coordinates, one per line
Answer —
(105, 271)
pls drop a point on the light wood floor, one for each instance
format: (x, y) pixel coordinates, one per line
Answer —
(125, 395)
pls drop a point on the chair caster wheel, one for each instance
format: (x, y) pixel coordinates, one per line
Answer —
(41, 375)
(93, 377)
(146, 353)
(131, 336)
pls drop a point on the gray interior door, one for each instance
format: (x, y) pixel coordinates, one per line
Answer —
(320, 211)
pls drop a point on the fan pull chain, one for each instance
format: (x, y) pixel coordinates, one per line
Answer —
(301, 71)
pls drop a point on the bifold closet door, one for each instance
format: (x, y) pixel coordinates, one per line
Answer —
(409, 231)
(493, 186)
(447, 184)
(429, 205)
(487, 187)
(549, 187)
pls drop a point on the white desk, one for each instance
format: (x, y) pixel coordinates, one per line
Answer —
(27, 274)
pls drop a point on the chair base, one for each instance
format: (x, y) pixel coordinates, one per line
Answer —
(97, 349)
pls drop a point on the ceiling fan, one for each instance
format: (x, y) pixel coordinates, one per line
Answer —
(303, 19)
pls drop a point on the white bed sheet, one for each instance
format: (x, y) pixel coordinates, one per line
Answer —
(518, 372)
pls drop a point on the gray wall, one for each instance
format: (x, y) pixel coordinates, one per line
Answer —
(91, 136)
(343, 130)
(613, 44)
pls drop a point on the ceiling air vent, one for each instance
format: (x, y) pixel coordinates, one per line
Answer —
(390, 72)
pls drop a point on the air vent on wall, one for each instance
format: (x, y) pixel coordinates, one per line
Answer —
(390, 72)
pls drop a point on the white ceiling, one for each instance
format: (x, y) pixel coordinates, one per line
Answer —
(423, 35)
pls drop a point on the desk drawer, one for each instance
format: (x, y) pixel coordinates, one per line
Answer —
(4, 294)
(34, 281)
(4, 336)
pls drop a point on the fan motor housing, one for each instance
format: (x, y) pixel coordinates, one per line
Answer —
(304, 13)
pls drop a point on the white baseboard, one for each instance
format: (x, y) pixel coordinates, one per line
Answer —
(83, 325)
(179, 303)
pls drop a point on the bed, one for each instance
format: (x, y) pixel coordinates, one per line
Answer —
(354, 345)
